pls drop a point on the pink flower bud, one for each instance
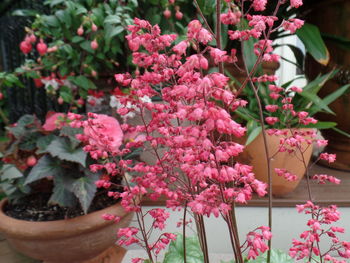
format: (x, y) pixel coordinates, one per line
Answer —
(52, 49)
(179, 15)
(167, 13)
(1, 95)
(80, 31)
(94, 27)
(31, 161)
(80, 101)
(32, 38)
(94, 44)
(41, 47)
(25, 47)
(60, 100)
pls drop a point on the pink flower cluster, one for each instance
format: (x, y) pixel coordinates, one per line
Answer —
(257, 241)
(320, 227)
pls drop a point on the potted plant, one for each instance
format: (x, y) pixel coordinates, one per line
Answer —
(191, 135)
(55, 204)
(74, 50)
(337, 41)
(279, 114)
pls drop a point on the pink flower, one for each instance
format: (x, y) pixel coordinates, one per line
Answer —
(271, 120)
(296, 3)
(54, 121)
(25, 47)
(104, 132)
(271, 108)
(41, 47)
(259, 5)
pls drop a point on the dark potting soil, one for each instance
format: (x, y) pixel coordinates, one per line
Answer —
(35, 208)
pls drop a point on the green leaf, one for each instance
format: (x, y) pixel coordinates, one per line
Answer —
(315, 85)
(321, 125)
(10, 172)
(253, 134)
(52, 3)
(248, 53)
(112, 19)
(61, 148)
(313, 42)
(277, 256)
(24, 12)
(341, 132)
(51, 21)
(71, 134)
(77, 39)
(61, 195)
(26, 120)
(20, 129)
(83, 82)
(43, 142)
(335, 95)
(84, 189)
(113, 31)
(46, 166)
(86, 45)
(175, 252)
(29, 141)
(317, 101)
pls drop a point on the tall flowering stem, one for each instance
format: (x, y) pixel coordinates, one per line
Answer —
(192, 134)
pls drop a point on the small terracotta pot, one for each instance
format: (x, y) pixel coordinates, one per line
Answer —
(254, 154)
(86, 238)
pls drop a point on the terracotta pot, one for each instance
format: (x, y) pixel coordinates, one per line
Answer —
(332, 17)
(88, 238)
(254, 154)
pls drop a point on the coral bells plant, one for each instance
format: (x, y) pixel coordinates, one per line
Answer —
(192, 135)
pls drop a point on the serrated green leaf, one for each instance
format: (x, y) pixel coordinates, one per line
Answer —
(71, 134)
(62, 149)
(28, 141)
(43, 142)
(84, 189)
(61, 195)
(10, 172)
(46, 166)
(175, 252)
(26, 120)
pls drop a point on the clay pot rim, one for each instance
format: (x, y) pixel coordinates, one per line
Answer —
(58, 228)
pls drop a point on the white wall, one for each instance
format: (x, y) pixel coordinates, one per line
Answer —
(287, 224)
